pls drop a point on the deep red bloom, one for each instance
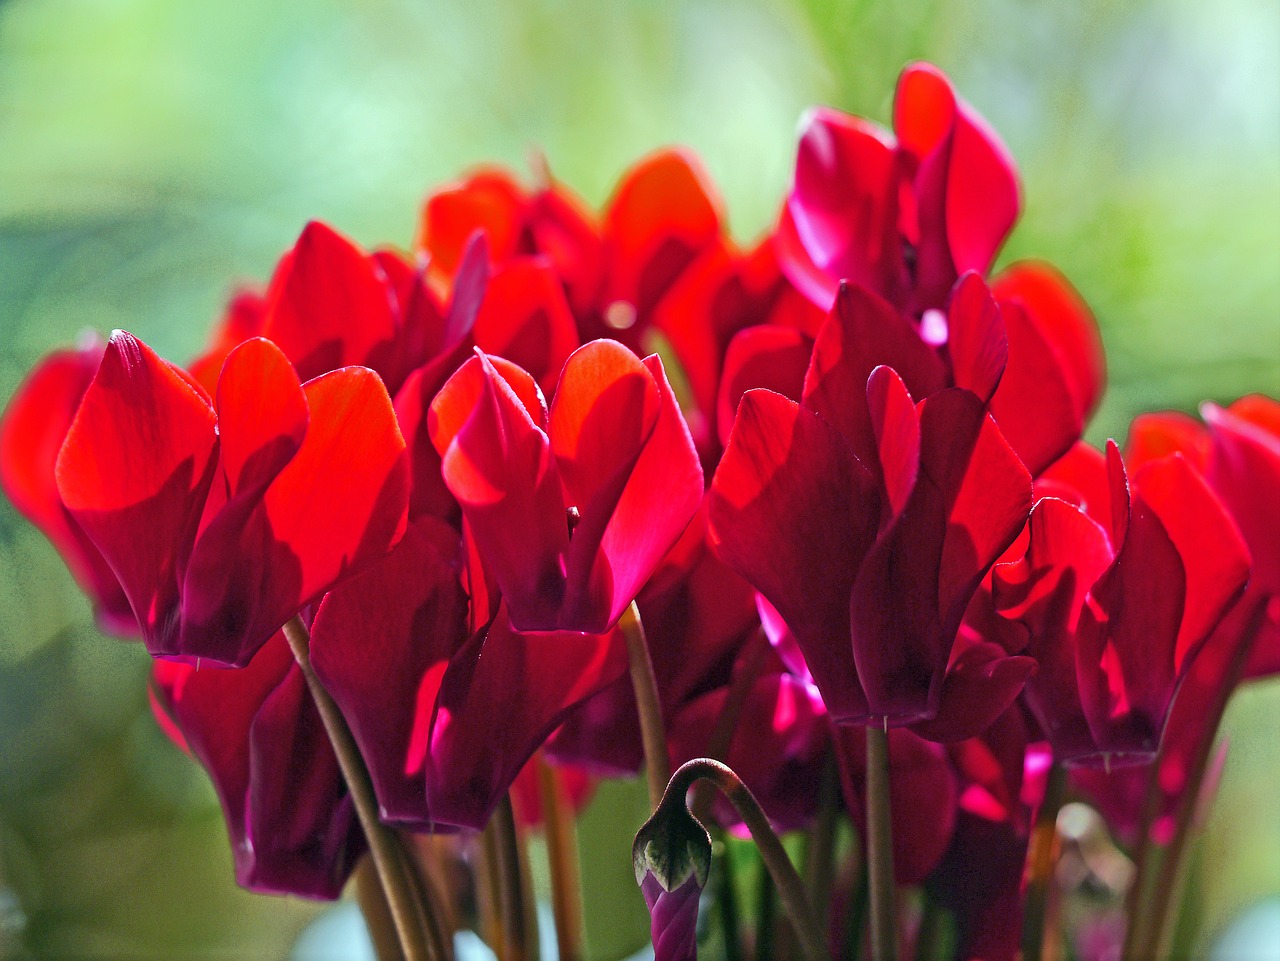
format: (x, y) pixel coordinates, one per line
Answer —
(1118, 608)
(904, 218)
(257, 732)
(222, 522)
(868, 520)
(418, 687)
(32, 432)
(613, 449)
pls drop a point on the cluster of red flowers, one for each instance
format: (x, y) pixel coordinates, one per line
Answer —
(839, 474)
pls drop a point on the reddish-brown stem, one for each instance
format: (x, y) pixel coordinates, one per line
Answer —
(419, 941)
(562, 858)
(1042, 855)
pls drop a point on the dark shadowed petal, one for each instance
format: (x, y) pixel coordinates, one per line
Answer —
(980, 684)
(537, 677)
(374, 640)
(793, 512)
(864, 332)
(976, 338)
(1245, 472)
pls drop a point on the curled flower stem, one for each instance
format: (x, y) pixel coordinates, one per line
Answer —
(1042, 855)
(652, 731)
(562, 858)
(419, 941)
(813, 943)
(884, 912)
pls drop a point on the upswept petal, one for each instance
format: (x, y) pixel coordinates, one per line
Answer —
(329, 304)
(1034, 405)
(976, 340)
(1064, 321)
(843, 206)
(637, 513)
(767, 356)
(134, 470)
(794, 512)
(1159, 434)
(497, 462)
(1245, 473)
(262, 416)
(862, 333)
(525, 318)
(966, 183)
(663, 212)
(981, 683)
(1214, 556)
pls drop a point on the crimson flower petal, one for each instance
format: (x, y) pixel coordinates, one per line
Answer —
(980, 685)
(966, 180)
(1064, 321)
(1245, 473)
(628, 464)
(497, 462)
(525, 318)
(766, 356)
(328, 304)
(976, 341)
(137, 463)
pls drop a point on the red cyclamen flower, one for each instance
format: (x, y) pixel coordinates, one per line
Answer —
(1118, 603)
(222, 521)
(571, 509)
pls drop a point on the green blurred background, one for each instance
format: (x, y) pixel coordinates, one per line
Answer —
(153, 153)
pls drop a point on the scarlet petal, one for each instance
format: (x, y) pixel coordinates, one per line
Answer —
(965, 170)
(1245, 469)
(843, 204)
(793, 512)
(663, 212)
(134, 471)
(489, 200)
(525, 318)
(765, 356)
(976, 338)
(476, 752)
(32, 431)
(1214, 556)
(374, 639)
(1064, 321)
(262, 415)
(497, 462)
(628, 463)
(329, 304)
(864, 332)
(1034, 405)
(242, 319)
(1159, 434)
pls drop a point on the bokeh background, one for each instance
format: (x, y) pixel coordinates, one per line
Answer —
(153, 154)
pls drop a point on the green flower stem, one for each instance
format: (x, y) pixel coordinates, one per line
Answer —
(884, 910)
(419, 941)
(813, 943)
(1042, 855)
(820, 845)
(562, 858)
(652, 731)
